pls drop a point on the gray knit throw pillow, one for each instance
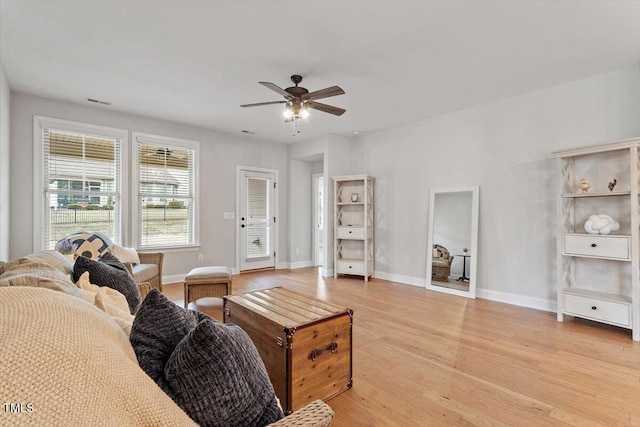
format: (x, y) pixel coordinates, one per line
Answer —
(157, 329)
(216, 376)
(109, 272)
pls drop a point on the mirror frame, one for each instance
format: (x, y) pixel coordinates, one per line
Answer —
(473, 243)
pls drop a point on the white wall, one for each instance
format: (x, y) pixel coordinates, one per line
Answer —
(503, 147)
(306, 152)
(220, 153)
(5, 107)
(300, 223)
(336, 154)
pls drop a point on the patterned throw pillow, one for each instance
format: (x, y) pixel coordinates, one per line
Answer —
(91, 245)
(157, 329)
(210, 369)
(110, 272)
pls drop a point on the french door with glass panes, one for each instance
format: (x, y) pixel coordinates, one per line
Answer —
(257, 220)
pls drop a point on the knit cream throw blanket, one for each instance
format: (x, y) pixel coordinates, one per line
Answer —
(63, 362)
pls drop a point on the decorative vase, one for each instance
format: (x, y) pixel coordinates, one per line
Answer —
(354, 197)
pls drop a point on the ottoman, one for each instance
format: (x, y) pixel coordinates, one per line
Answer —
(204, 282)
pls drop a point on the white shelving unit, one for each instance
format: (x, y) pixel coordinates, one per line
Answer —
(353, 225)
(599, 274)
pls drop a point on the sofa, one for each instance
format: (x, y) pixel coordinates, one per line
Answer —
(66, 357)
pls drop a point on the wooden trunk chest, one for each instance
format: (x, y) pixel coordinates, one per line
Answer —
(305, 343)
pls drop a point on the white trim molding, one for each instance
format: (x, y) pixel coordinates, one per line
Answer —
(398, 278)
(300, 264)
(507, 298)
(519, 300)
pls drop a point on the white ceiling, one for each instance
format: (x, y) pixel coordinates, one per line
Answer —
(195, 62)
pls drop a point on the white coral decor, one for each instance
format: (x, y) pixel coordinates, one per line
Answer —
(601, 224)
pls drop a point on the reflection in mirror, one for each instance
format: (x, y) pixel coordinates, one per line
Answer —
(453, 241)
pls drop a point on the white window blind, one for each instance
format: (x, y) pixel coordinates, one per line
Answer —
(81, 182)
(166, 191)
(258, 221)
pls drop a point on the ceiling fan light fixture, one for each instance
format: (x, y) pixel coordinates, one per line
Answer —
(298, 100)
(304, 112)
(288, 112)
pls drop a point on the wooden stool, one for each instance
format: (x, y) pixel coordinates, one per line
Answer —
(204, 282)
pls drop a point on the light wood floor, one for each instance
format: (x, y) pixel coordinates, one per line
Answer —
(424, 358)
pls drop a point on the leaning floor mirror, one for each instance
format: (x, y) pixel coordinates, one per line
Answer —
(453, 240)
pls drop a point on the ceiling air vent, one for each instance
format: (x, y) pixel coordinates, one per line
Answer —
(97, 101)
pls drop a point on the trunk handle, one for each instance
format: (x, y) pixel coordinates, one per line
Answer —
(315, 352)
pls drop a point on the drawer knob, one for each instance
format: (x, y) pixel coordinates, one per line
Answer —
(593, 307)
(349, 231)
(349, 266)
(593, 245)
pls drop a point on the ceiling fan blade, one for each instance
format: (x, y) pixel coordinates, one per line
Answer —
(323, 93)
(326, 108)
(263, 103)
(277, 88)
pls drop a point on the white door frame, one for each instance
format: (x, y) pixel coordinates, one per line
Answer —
(314, 217)
(276, 226)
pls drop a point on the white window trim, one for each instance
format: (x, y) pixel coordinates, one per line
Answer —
(135, 185)
(40, 123)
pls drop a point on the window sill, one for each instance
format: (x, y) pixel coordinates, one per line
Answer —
(189, 248)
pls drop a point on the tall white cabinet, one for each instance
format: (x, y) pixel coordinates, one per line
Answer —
(353, 225)
(599, 273)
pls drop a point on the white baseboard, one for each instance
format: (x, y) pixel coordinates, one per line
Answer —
(508, 298)
(520, 300)
(174, 278)
(405, 280)
(282, 266)
(301, 264)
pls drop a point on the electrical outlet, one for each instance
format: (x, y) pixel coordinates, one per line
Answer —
(200, 257)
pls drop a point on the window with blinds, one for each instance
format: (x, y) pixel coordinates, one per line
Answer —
(81, 181)
(166, 191)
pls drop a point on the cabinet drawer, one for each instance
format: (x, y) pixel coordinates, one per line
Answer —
(351, 232)
(616, 247)
(616, 313)
(350, 267)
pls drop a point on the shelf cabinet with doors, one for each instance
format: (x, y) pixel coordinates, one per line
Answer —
(353, 225)
(598, 254)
